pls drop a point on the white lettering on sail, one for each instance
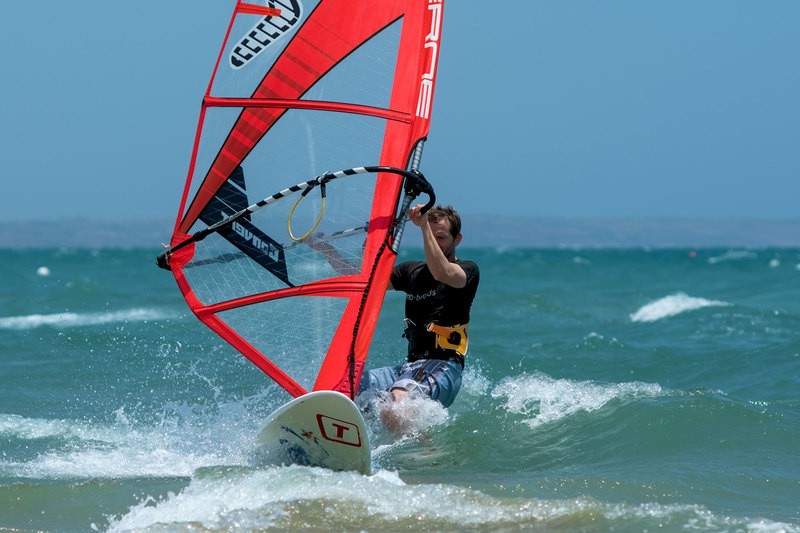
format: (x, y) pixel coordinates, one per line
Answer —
(431, 44)
(266, 248)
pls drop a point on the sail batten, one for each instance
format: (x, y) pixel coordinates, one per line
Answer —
(282, 103)
(303, 89)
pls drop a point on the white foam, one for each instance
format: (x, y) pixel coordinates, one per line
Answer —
(33, 428)
(117, 451)
(417, 415)
(732, 255)
(150, 456)
(298, 498)
(174, 443)
(72, 320)
(407, 418)
(672, 305)
(271, 498)
(547, 400)
(474, 383)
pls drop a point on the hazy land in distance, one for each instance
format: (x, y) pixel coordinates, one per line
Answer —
(479, 231)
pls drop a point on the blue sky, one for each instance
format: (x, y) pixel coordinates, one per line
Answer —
(557, 108)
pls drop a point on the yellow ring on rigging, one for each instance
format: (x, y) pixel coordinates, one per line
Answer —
(316, 222)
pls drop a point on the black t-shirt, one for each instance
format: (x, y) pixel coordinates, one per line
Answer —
(428, 300)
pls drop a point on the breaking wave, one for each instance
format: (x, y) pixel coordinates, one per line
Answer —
(672, 305)
(72, 320)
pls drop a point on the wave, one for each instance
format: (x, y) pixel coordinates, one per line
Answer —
(72, 320)
(732, 255)
(33, 428)
(171, 443)
(207, 449)
(672, 305)
(75, 449)
(296, 498)
(546, 399)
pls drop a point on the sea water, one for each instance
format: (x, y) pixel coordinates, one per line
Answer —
(605, 390)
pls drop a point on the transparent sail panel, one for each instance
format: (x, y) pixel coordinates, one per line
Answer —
(363, 76)
(295, 331)
(334, 233)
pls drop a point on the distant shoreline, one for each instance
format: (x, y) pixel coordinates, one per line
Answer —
(479, 231)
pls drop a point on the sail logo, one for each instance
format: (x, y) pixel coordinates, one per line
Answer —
(269, 249)
(266, 31)
(432, 44)
(336, 430)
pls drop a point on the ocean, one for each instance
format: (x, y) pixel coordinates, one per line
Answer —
(605, 390)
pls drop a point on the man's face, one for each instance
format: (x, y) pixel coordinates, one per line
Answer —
(447, 243)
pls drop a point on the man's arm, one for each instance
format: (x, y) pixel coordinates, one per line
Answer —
(440, 266)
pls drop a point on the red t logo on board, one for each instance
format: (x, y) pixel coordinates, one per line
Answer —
(340, 431)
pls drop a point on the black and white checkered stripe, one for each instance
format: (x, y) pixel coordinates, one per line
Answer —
(418, 181)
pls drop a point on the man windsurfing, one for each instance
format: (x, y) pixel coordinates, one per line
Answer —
(439, 294)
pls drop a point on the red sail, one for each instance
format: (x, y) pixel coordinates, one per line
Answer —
(322, 86)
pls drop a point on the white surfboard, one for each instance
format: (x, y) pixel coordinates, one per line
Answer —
(321, 428)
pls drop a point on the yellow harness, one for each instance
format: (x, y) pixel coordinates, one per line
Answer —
(451, 338)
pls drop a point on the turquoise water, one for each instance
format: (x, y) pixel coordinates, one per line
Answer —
(607, 390)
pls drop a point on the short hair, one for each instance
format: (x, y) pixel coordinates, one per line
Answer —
(450, 215)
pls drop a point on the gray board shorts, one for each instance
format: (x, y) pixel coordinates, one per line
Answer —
(435, 378)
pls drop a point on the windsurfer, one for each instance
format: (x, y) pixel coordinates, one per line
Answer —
(439, 294)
